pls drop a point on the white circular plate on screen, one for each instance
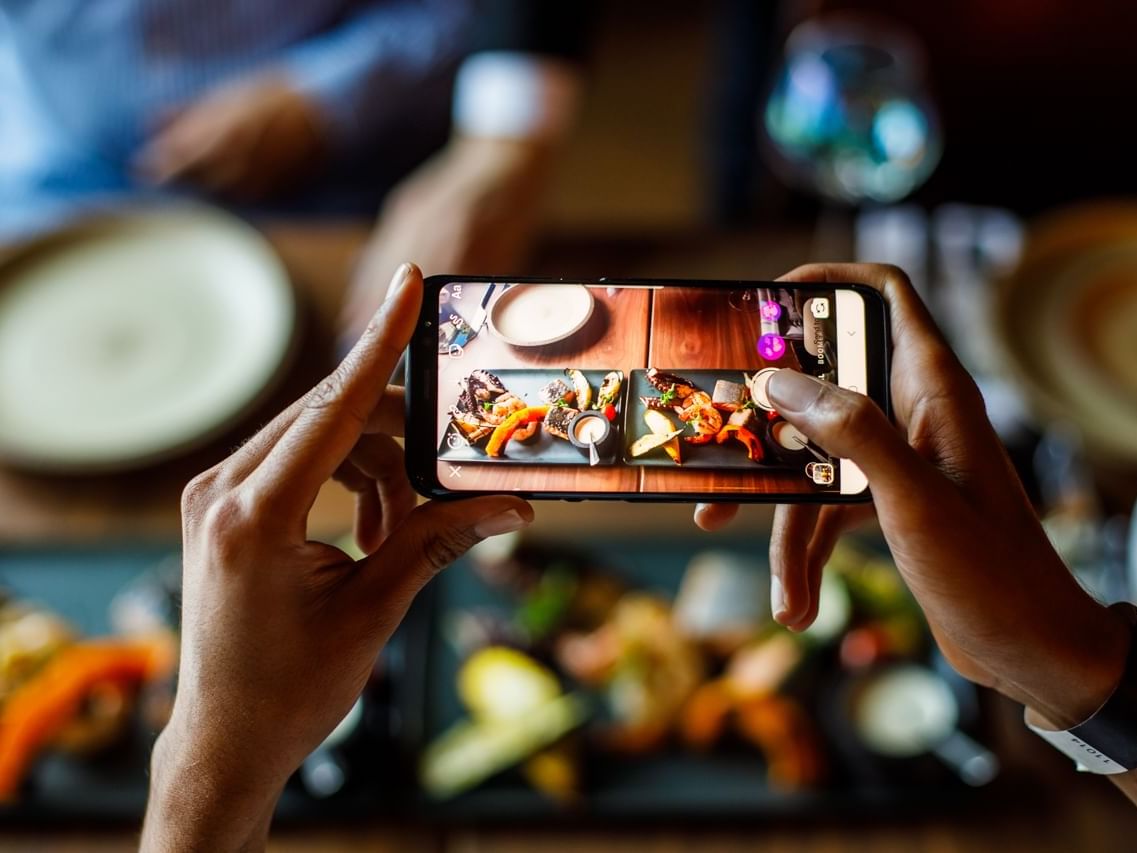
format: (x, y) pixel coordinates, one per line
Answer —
(534, 315)
(130, 339)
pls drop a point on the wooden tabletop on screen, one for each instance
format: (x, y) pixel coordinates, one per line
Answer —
(699, 330)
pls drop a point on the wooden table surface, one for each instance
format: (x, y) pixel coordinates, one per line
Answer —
(1076, 813)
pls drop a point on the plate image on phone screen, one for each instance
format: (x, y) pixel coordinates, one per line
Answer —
(640, 390)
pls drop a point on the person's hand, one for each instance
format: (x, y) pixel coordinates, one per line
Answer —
(246, 140)
(471, 209)
(1002, 606)
(279, 633)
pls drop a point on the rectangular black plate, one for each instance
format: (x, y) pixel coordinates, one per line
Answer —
(676, 784)
(545, 449)
(731, 454)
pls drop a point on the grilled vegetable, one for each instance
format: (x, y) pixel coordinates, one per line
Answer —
(609, 389)
(500, 683)
(581, 387)
(471, 752)
(648, 443)
(753, 444)
(660, 424)
(504, 432)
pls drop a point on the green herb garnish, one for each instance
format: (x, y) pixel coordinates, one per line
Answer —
(487, 406)
(668, 396)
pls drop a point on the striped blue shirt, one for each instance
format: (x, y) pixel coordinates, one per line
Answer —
(84, 82)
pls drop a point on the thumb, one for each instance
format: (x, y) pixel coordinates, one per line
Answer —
(433, 536)
(851, 426)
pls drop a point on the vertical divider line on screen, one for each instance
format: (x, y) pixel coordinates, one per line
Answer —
(852, 369)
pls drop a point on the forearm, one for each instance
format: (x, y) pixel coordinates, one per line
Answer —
(195, 804)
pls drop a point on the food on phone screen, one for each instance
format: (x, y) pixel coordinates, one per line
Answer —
(753, 443)
(648, 443)
(661, 424)
(581, 388)
(559, 419)
(729, 396)
(558, 391)
(746, 417)
(609, 389)
(693, 405)
(519, 422)
(526, 416)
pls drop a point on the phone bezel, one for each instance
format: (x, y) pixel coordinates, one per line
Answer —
(421, 385)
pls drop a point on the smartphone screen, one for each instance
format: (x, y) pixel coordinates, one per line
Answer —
(633, 389)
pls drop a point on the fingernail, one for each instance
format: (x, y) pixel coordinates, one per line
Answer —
(793, 392)
(398, 280)
(496, 525)
(777, 597)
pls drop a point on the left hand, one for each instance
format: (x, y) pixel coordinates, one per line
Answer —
(472, 209)
(279, 632)
(246, 140)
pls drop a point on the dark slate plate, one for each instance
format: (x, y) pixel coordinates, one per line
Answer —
(545, 449)
(729, 455)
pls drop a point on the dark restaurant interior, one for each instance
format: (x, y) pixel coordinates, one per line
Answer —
(201, 205)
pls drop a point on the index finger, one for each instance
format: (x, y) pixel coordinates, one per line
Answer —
(337, 412)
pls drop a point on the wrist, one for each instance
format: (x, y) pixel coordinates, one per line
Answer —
(203, 798)
(1086, 671)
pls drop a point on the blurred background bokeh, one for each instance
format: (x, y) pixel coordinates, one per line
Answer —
(200, 205)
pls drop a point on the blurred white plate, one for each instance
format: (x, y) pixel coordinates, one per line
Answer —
(130, 339)
(534, 315)
(1068, 321)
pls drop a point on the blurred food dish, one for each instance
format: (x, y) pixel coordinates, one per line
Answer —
(128, 339)
(1068, 322)
(652, 681)
(536, 315)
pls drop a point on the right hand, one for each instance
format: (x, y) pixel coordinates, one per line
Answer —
(1001, 604)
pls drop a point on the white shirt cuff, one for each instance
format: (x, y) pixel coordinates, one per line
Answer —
(515, 95)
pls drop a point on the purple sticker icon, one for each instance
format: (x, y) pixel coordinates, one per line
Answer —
(771, 346)
(771, 310)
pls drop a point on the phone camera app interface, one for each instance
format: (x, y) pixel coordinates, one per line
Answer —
(643, 389)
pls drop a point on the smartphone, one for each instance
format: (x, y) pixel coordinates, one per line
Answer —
(633, 389)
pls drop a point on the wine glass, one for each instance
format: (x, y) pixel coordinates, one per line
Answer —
(848, 116)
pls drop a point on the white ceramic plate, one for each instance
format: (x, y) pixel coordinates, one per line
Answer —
(534, 315)
(131, 339)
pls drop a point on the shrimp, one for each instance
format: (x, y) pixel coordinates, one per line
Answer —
(699, 411)
(506, 405)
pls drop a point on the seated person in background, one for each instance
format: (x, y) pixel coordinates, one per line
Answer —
(309, 106)
(475, 206)
(279, 633)
(248, 101)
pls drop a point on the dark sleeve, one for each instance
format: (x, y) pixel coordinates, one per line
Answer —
(556, 28)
